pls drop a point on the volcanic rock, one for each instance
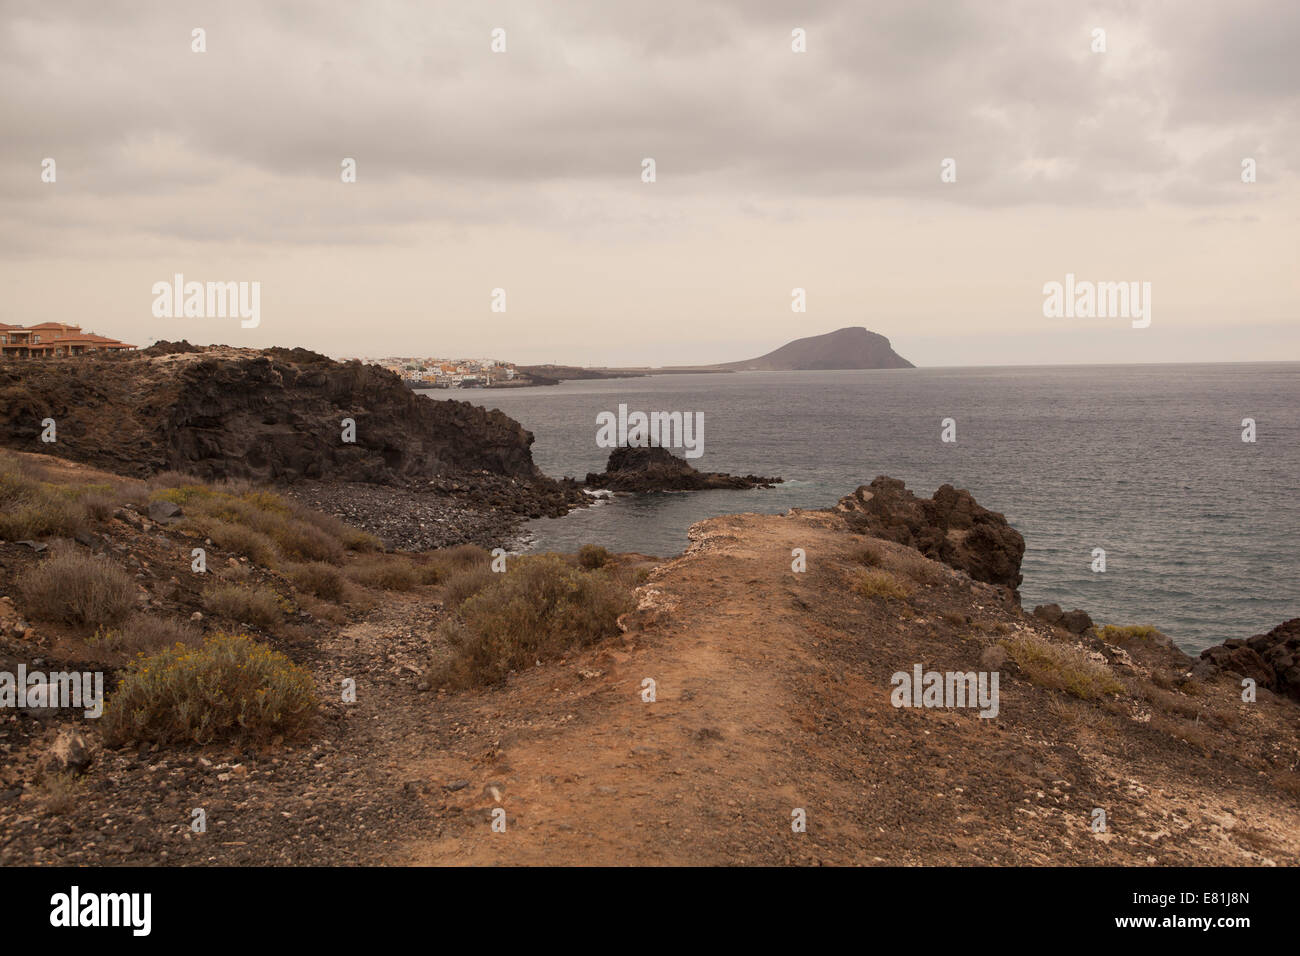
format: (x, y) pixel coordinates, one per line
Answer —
(949, 527)
(273, 415)
(1272, 659)
(646, 469)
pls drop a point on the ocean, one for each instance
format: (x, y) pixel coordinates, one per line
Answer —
(1144, 461)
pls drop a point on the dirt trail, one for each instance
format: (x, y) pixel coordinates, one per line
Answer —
(772, 694)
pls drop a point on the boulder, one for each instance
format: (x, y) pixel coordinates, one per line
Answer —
(68, 754)
(949, 527)
(164, 512)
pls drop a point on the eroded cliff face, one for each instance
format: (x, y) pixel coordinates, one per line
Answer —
(274, 415)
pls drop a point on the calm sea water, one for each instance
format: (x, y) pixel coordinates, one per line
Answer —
(1147, 462)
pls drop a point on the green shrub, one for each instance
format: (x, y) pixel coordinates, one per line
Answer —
(259, 606)
(540, 609)
(230, 688)
(592, 556)
(78, 588)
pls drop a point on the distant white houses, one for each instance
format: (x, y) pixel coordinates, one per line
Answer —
(449, 373)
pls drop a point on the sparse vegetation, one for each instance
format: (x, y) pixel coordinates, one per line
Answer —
(33, 508)
(539, 610)
(78, 588)
(58, 793)
(917, 567)
(261, 525)
(874, 583)
(1062, 667)
(231, 687)
(259, 606)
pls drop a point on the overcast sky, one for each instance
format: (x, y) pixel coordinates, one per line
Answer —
(522, 170)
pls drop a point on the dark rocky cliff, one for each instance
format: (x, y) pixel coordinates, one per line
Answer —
(267, 415)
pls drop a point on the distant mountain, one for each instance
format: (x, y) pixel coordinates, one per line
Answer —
(844, 348)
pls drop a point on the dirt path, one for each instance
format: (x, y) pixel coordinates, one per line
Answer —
(772, 698)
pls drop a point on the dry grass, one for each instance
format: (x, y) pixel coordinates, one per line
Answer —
(867, 553)
(1139, 632)
(873, 583)
(540, 609)
(1062, 667)
(77, 588)
(916, 566)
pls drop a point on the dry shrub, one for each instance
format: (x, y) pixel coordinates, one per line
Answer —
(146, 633)
(592, 556)
(78, 588)
(387, 572)
(238, 539)
(319, 579)
(230, 688)
(870, 582)
(259, 606)
(867, 553)
(540, 609)
(463, 585)
(1062, 667)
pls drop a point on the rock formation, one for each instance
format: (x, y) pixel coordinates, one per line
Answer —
(949, 527)
(273, 415)
(647, 469)
(1272, 659)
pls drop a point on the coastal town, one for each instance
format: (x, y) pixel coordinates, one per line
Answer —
(451, 373)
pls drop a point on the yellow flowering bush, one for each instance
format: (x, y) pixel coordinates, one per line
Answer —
(230, 688)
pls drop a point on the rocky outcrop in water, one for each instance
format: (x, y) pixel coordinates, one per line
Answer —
(640, 470)
(273, 415)
(949, 527)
